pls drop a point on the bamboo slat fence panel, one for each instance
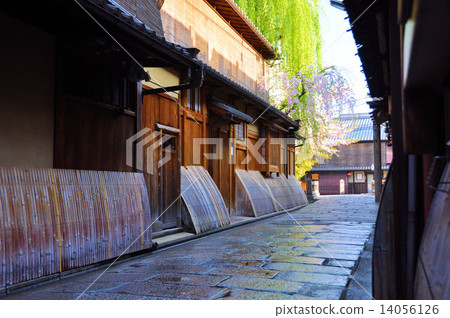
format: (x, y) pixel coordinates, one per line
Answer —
(54, 220)
(203, 199)
(267, 195)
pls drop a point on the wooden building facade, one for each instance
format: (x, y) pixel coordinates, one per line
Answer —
(99, 108)
(352, 170)
(226, 107)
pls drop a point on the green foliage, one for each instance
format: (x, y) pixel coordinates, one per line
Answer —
(297, 83)
(291, 26)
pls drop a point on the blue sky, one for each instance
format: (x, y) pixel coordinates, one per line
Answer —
(339, 49)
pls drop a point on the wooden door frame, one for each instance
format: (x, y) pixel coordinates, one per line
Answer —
(175, 133)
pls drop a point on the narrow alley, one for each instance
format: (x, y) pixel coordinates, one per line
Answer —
(311, 253)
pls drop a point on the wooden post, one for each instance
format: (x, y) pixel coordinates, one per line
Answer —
(204, 117)
(400, 163)
(377, 161)
(183, 127)
(267, 151)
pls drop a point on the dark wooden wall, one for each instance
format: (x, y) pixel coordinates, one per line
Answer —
(95, 111)
(193, 125)
(329, 183)
(359, 154)
(89, 136)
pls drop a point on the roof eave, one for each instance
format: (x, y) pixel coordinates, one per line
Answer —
(268, 52)
(288, 121)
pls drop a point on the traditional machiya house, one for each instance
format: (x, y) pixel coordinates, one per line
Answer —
(104, 125)
(227, 108)
(70, 100)
(404, 49)
(352, 170)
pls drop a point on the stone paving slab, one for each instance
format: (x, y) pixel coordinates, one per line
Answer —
(333, 255)
(307, 268)
(323, 279)
(255, 272)
(357, 242)
(74, 287)
(245, 294)
(169, 290)
(297, 259)
(325, 248)
(273, 258)
(341, 263)
(263, 284)
(338, 247)
(120, 277)
(235, 263)
(155, 269)
(189, 279)
(324, 292)
(46, 296)
(118, 296)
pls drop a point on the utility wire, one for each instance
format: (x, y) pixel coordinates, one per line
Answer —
(150, 79)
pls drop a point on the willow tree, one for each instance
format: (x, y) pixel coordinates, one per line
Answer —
(316, 98)
(292, 26)
(297, 83)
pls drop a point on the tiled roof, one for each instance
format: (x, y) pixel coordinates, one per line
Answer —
(364, 129)
(146, 11)
(231, 12)
(115, 9)
(112, 7)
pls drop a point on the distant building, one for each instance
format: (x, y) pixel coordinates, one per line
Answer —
(352, 170)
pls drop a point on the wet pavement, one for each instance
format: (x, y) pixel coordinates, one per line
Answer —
(311, 253)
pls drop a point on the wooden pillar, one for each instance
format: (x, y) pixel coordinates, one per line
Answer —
(268, 151)
(183, 126)
(400, 162)
(246, 144)
(204, 117)
(377, 173)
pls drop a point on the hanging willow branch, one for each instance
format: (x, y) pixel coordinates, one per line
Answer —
(293, 28)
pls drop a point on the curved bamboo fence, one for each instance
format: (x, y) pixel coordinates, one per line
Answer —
(54, 220)
(256, 195)
(203, 199)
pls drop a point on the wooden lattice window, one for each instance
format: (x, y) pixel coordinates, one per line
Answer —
(239, 131)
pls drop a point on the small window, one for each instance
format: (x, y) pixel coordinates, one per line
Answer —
(169, 143)
(239, 131)
(359, 176)
(193, 100)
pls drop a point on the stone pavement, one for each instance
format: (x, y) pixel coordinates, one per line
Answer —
(275, 258)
